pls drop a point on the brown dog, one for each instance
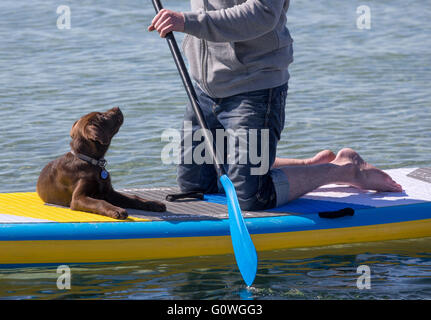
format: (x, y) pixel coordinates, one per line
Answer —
(78, 179)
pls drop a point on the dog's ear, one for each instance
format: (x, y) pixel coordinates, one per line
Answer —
(74, 129)
(92, 132)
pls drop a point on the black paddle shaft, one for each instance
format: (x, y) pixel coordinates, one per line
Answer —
(191, 93)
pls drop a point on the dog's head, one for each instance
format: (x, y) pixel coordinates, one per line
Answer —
(93, 133)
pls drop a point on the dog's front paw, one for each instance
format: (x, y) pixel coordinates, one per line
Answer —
(155, 206)
(118, 213)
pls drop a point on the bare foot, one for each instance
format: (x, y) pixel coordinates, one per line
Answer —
(365, 176)
(324, 156)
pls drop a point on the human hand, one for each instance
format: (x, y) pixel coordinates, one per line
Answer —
(166, 21)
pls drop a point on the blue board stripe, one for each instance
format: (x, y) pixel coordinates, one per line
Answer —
(173, 229)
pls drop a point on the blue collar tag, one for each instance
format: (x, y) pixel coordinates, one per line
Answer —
(104, 174)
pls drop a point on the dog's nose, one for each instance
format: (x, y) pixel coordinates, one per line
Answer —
(115, 110)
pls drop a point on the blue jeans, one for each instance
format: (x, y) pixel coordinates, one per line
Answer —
(261, 109)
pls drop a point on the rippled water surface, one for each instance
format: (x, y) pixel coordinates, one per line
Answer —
(365, 89)
(399, 270)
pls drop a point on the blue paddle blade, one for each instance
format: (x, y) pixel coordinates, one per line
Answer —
(245, 252)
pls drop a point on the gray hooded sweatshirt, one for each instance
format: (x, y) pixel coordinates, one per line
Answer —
(236, 46)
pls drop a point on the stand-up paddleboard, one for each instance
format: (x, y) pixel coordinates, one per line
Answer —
(32, 232)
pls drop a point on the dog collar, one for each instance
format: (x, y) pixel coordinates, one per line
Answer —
(100, 163)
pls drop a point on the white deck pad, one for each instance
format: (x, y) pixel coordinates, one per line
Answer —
(9, 218)
(414, 191)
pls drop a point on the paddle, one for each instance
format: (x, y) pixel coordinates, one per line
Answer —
(245, 252)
